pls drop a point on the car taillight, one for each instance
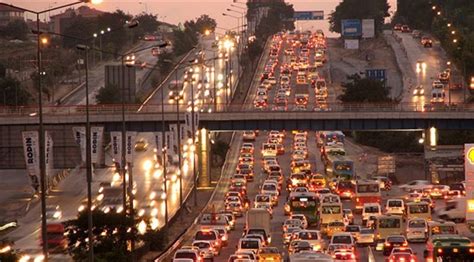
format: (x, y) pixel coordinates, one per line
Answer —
(440, 250)
(405, 244)
(387, 244)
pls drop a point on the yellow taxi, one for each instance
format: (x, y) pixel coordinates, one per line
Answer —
(334, 227)
(141, 145)
(269, 254)
(317, 180)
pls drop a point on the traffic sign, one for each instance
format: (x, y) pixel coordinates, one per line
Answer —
(376, 74)
(351, 28)
(308, 15)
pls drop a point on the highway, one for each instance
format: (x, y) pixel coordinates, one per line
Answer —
(434, 60)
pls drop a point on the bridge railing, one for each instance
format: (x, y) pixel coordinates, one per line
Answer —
(248, 107)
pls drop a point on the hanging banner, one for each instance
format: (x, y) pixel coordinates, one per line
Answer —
(196, 120)
(48, 153)
(97, 134)
(174, 131)
(169, 144)
(130, 146)
(31, 151)
(158, 142)
(116, 141)
(183, 133)
(79, 133)
(187, 119)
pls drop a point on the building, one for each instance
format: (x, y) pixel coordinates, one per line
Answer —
(8, 14)
(60, 21)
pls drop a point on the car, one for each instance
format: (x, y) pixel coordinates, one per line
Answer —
(419, 90)
(397, 27)
(426, 41)
(416, 185)
(395, 206)
(348, 216)
(53, 212)
(334, 227)
(270, 254)
(249, 136)
(402, 254)
(206, 250)
(297, 246)
(289, 232)
(304, 221)
(354, 230)
(187, 253)
(366, 236)
(141, 145)
(343, 238)
(405, 29)
(416, 33)
(210, 235)
(416, 230)
(393, 241)
(344, 255)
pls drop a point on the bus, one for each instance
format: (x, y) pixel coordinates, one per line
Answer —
(340, 167)
(306, 203)
(332, 150)
(367, 191)
(330, 212)
(386, 225)
(436, 228)
(331, 138)
(269, 150)
(449, 248)
(418, 210)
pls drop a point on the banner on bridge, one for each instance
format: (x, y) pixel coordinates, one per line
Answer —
(31, 152)
(116, 142)
(130, 146)
(97, 135)
(79, 133)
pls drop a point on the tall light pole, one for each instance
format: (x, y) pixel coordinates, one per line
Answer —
(42, 153)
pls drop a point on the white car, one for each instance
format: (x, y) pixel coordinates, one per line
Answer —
(417, 230)
(301, 217)
(313, 237)
(366, 236)
(343, 238)
(370, 209)
(272, 80)
(249, 136)
(284, 80)
(417, 185)
(395, 207)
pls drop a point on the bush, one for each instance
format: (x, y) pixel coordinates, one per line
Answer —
(390, 141)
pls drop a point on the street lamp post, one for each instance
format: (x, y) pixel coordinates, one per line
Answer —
(42, 153)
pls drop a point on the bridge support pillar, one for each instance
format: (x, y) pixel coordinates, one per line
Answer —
(204, 154)
(430, 143)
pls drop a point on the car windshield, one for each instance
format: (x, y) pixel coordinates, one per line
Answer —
(205, 235)
(249, 244)
(419, 209)
(394, 203)
(371, 209)
(201, 245)
(185, 254)
(341, 240)
(305, 235)
(366, 231)
(269, 250)
(269, 187)
(396, 239)
(417, 223)
(352, 229)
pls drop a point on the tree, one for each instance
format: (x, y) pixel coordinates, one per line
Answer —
(111, 236)
(12, 93)
(204, 22)
(184, 40)
(79, 27)
(148, 23)
(108, 95)
(362, 90)
(165, 63)
(359, 9)
(16, 29)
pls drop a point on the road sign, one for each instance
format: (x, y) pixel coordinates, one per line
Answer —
(386, 165)
(368, 28)
(376, 74)
(351, 28)
(308, 15)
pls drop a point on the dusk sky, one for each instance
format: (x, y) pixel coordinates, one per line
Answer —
(180, 10)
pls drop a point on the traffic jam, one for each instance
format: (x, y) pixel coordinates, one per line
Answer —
(296, 196)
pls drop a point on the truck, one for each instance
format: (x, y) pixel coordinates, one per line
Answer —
(301, 94)
(57, 241)
(258, 219)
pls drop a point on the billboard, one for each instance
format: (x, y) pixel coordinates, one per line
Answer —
(368, 28)
(351, 43)
(469, 178)
(308, 15)
(351, 28)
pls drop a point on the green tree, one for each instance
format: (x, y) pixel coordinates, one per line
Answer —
(184, 40)
(359, 9)
(360, 90)
(148, 23)
(165, 63)
(12, 93)
(78, 27)
(16, 29)
(108, 95)
(204, 22)
(111, 236)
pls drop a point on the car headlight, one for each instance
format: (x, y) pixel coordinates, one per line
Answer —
(119, 209)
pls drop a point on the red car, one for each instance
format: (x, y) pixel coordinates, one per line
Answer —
(402, 254)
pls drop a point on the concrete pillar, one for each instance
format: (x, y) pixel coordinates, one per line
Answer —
(204, 155)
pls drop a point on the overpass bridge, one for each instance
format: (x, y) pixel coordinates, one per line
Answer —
(59, 122)
(245, 117)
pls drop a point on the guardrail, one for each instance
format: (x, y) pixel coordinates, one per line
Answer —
(246, 107)
(171, 248)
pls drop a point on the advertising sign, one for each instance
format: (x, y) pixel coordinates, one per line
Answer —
(31, 152)
(48, 153)
(376, 74)
(97, 134)
(351, 28)
(368, 28)
(158, 142)
(79, 133)
(308, 15)
(116, 142)
(351, 43)
(469, 178)
(130, 146)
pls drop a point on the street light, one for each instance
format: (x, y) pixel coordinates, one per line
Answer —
(42, 156)
(95, 35)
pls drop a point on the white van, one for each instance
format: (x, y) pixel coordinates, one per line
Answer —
(370, 209)
(454, 210)
(395, 207)
(437, 95)
(417, 230)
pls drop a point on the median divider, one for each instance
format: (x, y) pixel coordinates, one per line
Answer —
(370, 255)
(188, 232)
